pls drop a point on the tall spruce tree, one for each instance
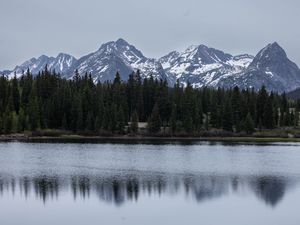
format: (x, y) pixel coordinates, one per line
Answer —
(22, 123)
(120, 120)
(8, 121)
(154, 122)
(227, 122)
(15, 94)
(33, 113)
(134, 123)
(249, 124)
(268, 114)
(261, 104)
(173, 119)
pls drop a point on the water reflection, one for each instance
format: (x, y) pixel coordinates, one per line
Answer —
(270, 189)
(126, 188)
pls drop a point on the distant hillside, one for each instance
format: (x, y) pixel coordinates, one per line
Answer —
(294, 94)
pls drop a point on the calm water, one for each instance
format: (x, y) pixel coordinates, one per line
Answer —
(137, 184)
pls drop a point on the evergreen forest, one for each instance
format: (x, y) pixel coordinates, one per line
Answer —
(79, 106)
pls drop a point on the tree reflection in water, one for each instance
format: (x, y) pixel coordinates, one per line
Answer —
(120, 189)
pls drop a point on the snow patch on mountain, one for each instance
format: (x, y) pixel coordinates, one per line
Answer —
(203, 66)
(118, 56)
(60, 64)
(198, 65)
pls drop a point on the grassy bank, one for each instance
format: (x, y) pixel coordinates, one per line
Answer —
(62, 136)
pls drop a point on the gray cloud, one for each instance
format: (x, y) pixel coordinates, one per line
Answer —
(34, 27)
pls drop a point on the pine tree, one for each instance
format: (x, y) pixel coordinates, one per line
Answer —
(3, 93)
(197, 119)
(227, 116)
(134, 123)
(21, 121)
(77, 78)
(74, 110)
(188, 122)
(89, 124)
(117, 80)
(284, 101)
(8, 121)
(173, 119)
(98, 123)
(120, 121)
(249, 124)
(261, 104)
(268, 115)
(296, 121)
(236, 108)
(1, 124)
(215, 114)
(281, 118)
(33, 113)
(287, 118)
(64, 123)
(154, 122)
(292, 119)
(79, 121)
(26, 85)
(206, 123)
(99, 115)
(14, 122)
(106, 119)
(15, 94)
(113, 118)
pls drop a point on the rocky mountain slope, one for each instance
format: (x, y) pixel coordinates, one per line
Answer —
(203, 66)
(61, 64)
(198, 65)
(295, 94)
(270, 67)
(117, 56)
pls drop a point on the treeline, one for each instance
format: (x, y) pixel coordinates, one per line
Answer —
(47, 101)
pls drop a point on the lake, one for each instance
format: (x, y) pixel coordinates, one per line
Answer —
(144, 183)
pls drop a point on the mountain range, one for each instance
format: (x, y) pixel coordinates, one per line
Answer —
(198, 64)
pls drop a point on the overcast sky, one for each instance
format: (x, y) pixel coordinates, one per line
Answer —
(30, 28)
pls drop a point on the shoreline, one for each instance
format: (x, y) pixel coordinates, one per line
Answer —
(139, 138)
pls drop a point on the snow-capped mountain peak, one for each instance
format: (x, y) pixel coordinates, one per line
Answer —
(123, 49)
(270, 55)
(118, 56)
(204, 55)
(270, 67)
(168, 60)
(60, 64)
(202, 65)
(198, 64)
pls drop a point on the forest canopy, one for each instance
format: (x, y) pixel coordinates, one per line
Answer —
(47, 101)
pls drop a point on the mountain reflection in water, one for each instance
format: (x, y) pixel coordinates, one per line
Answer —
(121, 189)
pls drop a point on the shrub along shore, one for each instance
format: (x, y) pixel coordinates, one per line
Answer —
(282, 135)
